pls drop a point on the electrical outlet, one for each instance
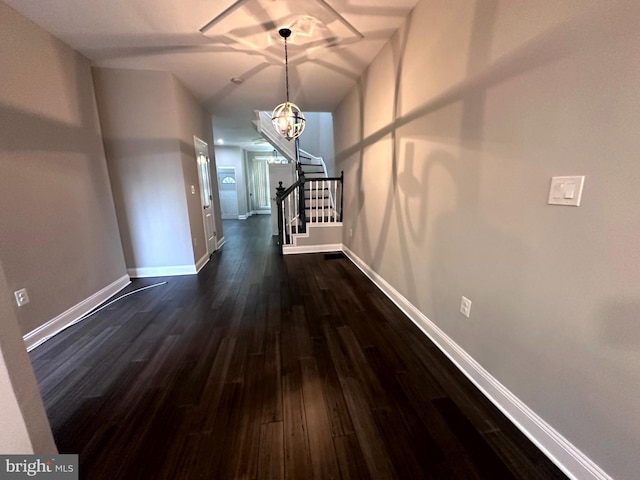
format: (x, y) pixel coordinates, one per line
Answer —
(22, 297)
(465, 306)
(350, 232)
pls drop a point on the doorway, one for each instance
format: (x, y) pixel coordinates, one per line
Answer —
(228, 191)
(206, 197)
(259, 181)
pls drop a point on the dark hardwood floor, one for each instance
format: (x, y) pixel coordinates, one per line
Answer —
(269, 367)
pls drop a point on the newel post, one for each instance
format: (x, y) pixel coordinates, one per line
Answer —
(301, 203)
(279, 192)
(341, 192)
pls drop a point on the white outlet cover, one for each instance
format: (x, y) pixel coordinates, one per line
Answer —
(22, 297)
(465, 307)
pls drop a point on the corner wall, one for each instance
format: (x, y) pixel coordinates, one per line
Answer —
(194, 120)
(148, 121)
(58, 232)
(317, 138)
(24, 427)
(448, 144)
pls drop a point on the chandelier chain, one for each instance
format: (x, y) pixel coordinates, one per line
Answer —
(286, 68)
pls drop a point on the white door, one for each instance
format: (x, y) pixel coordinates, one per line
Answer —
(279, 172)
(204, 174)
(228, 191)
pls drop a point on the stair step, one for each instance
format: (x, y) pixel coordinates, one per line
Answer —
(315, 220)
(318, 198)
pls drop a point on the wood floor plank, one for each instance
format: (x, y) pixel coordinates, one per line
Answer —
(373, 447)
(272, 378)
(242, 450)
(263, 366)
(296, 442)
(459, 461)
(338, 412)
(271, 456)
(350, 458)
(324, 463)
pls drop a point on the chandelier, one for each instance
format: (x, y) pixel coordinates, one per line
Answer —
(287, 118)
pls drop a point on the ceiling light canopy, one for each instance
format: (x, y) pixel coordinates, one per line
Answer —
(287, 118)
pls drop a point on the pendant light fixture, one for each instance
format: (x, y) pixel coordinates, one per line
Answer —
(287, 118)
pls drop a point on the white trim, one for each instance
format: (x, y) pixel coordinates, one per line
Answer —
(323, 224)
(310, 226)
(220, 243)
(262, 212)
(244, 217)
(564, 454)
(168, 271)
(203, 261)
(45, 332)
(292, 250)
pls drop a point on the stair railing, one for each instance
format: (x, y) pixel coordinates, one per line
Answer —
(289, 219)
(325, 199)
(292, 203)
(318, 160)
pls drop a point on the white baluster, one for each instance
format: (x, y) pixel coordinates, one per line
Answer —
(317, 182)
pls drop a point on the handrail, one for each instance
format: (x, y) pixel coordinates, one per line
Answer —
(309, 156)
(290, 188)
(291, 203)
(329, 178)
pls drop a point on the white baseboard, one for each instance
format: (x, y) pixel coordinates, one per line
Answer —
(564, 454)
(220, 243)
(291, 250)
(44, 332)
(168, 271)
(203, 261)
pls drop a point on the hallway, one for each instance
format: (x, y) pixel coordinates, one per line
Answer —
(269, 367)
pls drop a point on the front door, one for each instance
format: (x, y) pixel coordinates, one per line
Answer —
(228, 191)
(204, 174)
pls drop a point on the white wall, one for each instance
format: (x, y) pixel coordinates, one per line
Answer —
(448, 144)
(317, 138)
(58, 232)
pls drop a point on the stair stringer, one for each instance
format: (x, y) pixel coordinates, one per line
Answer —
(319, 238)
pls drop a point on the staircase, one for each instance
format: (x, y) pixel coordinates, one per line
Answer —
(316, 193)
(310, 210)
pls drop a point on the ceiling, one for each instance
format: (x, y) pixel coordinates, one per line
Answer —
(207, 43)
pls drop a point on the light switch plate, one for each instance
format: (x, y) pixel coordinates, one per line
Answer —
(566, 191)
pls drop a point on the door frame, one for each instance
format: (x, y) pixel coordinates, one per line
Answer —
(203, 147)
